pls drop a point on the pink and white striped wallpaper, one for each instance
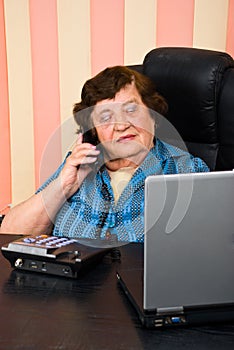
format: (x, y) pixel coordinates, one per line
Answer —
(49, 48)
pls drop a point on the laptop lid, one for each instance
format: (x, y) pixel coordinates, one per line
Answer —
(189, 240)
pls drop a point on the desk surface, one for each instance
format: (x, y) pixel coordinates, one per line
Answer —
(53, 313)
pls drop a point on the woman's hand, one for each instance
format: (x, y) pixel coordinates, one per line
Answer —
(36, 215)
(77, 166)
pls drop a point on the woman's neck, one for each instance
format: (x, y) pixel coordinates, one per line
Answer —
(114, 165)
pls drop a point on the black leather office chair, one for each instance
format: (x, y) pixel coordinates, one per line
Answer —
(198, 85)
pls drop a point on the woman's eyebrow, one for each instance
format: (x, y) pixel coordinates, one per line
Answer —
(100, 111)
(132, 100)
(104, 111)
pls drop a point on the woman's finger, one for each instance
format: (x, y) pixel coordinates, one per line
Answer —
(79, 139)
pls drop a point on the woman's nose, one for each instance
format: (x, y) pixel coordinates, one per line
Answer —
(121, 121)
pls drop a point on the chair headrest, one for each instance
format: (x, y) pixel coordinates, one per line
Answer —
(190, 79)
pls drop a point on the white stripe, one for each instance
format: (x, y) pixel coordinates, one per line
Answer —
(20, 98)
(140, 30)
(74, 60)
(210, 24)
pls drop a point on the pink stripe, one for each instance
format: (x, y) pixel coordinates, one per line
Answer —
(45, 79)
(5, 158)
(230, 29)
(107, 34)
(175, 23)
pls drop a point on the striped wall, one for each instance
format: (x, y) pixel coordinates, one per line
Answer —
(49, 48)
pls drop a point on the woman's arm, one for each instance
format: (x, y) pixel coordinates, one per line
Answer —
(36, 215)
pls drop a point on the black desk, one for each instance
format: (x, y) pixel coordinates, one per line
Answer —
(40, 312)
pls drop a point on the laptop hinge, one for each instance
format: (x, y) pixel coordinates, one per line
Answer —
(170, 310)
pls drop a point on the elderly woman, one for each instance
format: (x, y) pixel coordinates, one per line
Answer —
(118, 126)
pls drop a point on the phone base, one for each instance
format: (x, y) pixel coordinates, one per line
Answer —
(59, 256)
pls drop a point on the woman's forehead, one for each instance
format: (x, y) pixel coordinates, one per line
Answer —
(127, 94)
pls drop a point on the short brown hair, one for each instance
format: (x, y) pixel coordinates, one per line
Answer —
(105, 85)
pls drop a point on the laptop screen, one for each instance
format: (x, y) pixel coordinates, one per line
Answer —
(189, 240)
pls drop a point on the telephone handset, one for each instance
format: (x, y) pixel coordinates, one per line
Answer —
(98, 164)
(88, 137)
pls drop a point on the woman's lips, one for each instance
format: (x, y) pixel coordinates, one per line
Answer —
(126, 138)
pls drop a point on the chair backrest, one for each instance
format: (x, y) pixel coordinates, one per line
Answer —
(198, 85)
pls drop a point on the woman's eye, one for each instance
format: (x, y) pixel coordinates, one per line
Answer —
(105, 117)
(131, 108)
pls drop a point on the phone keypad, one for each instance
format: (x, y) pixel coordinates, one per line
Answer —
(46, 241)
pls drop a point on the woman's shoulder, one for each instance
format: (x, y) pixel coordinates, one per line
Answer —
(184, 160)
(166, 150)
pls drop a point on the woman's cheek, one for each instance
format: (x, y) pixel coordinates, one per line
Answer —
(104, 134)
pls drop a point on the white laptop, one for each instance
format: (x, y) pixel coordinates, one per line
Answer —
(184, 272)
